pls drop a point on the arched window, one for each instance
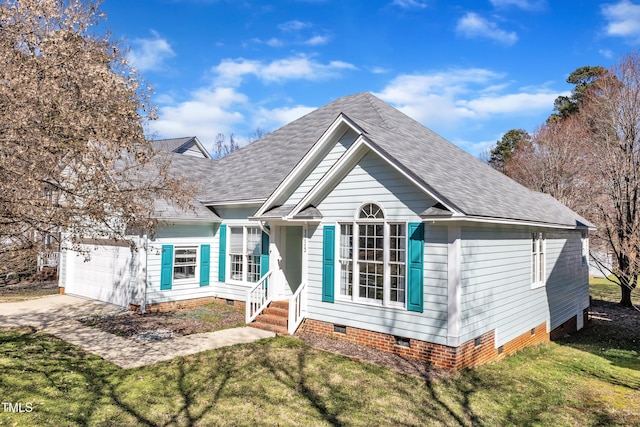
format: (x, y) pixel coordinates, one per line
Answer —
(372, 257)
(371, 211)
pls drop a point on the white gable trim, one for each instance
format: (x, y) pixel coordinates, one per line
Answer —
(348, 160)
(201, 147)
(329, 136)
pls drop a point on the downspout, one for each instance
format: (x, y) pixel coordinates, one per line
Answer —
(264, 228)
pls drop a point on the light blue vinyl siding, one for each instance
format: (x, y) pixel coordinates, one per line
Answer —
(323, 166)
(567, 278)
(496, 281)
(187, 235)
(375, 180)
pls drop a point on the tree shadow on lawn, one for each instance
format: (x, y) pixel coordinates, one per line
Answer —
(344, 392)
(612, 333)
(66, 384)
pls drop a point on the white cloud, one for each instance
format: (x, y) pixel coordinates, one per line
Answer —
(452, 96)
(379, 70)
(278, 117)
(272, 42)
(301, 67)
(409, 4)
(207, 113)
(606, 53)
(294, 25)
(522, 4)
(317, 41)
(472, 25)
(623, 19)
(510, 103)
(149, 54)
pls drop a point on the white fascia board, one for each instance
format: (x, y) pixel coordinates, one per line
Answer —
(412, 179)
(327, 137)
(346, 159)
(233, 202)
(502, 221)
(358, 147)
(177, 220)
(201, 147)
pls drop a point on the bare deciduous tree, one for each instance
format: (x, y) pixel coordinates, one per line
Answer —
(551, 162)
(611, 113)
(73, 154)
(590, 160)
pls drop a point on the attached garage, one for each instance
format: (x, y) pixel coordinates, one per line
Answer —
(104, 274)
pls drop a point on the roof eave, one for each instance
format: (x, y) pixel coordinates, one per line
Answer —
(504, 221)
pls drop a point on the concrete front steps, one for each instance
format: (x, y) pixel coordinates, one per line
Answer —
(274, 318)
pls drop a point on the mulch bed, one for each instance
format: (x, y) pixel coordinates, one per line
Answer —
(157, 326)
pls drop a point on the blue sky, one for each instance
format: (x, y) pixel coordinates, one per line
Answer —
(469, 70)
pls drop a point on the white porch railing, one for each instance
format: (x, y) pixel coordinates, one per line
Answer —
(297, 308)
(48, 259)
(258, 297)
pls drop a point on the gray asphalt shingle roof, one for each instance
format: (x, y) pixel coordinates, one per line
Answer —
(171, 144)
(452, 175)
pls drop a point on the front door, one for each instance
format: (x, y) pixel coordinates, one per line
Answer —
(286, 253)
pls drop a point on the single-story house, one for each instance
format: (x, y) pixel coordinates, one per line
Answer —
(356, 221)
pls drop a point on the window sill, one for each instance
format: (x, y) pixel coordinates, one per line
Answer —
(359, 302)
(240, 283)
(538, 285)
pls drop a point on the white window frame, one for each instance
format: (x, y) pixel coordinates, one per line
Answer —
(245, 255)
(355, 261)
(538, 244)
(196, 264)
(585, 248)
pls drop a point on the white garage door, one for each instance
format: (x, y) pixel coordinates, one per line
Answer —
(106, 276)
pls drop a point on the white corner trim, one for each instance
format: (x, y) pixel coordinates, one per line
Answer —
(454, 290)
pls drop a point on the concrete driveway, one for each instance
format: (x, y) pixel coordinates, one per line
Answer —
(58, 314)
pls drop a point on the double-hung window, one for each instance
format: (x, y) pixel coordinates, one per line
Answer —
(244, 253)
(184, 263)
(537, 260)
(372, 258)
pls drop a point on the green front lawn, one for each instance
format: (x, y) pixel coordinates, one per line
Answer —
(589, 379)
(283, 382)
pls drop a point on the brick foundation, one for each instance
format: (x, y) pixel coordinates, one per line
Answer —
(472, 353)
(188, 303)
(570, 326)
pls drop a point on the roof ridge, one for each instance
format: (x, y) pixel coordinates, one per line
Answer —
(369, 97)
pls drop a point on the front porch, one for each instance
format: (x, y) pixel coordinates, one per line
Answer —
(278, 301)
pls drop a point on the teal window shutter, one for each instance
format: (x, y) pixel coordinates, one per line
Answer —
(328, 262)
(166, 267)
(264, 254)
(415, 292)
(222, 253)
(205, 264)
